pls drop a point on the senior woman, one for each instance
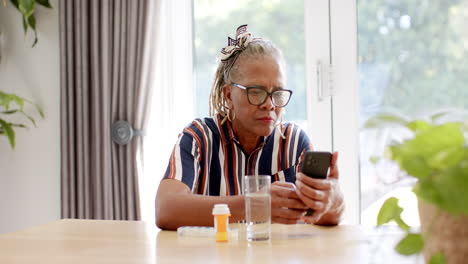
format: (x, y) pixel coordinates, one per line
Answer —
(245, 136)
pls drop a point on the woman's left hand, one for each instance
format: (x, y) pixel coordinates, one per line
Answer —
(322, 195)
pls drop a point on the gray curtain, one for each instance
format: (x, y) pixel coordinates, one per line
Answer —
(103, 45)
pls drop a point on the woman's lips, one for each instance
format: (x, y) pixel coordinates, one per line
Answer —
(266, 119)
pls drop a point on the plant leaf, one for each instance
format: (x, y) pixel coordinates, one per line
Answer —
(39, 109)
(35, 38)
(6, 128)
(30, 118)
(15, 3)
(434, 117)
(388, 211)
(9, 112)
(7, 99)
(452, 185)
(10, 133)
(23, 113)
(449, 115)
(439, 138)
(438, 258)
(32, 24)
(427, 190)
(410, 244)
(416, 167)
(418, 125)
(26, 7)
(32, 21)
(44, 3)
(424, 153)
(402, 224)
(25, 25)
(446, 158)
(385, 119)
(374, 159)
(18, 125)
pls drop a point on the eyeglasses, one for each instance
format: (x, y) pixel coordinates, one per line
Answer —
(257, 95)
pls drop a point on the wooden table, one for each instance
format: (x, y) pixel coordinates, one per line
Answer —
(92, 241)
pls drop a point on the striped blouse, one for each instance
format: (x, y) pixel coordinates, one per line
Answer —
(209, 159)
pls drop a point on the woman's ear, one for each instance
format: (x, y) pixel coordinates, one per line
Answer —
(227, 89)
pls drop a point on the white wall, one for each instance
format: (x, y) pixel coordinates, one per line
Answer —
(30, 174)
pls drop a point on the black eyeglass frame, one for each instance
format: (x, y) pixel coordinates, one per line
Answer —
(247, 88)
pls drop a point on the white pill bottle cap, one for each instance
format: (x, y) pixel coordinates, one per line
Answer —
(221, 209)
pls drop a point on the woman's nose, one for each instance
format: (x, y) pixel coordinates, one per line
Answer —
(268, 104)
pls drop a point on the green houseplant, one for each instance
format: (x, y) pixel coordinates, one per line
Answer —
(11, 106)
(27, 9)
(437, 156)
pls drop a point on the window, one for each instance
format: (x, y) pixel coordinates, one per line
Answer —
(302, 30)
(412, 61)
(279, 21)
(308, 32)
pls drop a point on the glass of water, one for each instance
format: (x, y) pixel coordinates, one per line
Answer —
(257, 207)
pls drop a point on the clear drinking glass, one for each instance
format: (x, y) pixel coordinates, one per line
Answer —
(257, 207)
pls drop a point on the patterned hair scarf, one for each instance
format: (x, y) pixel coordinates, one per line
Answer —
(243, 38)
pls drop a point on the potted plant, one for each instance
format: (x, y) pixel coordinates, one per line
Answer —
(437, 156)
(11, 106)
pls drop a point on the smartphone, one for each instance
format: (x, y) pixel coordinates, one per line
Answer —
(316, 164)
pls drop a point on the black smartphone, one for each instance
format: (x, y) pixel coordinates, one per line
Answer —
(316, 165)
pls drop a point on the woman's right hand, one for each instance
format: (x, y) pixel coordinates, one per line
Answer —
(286, 206)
